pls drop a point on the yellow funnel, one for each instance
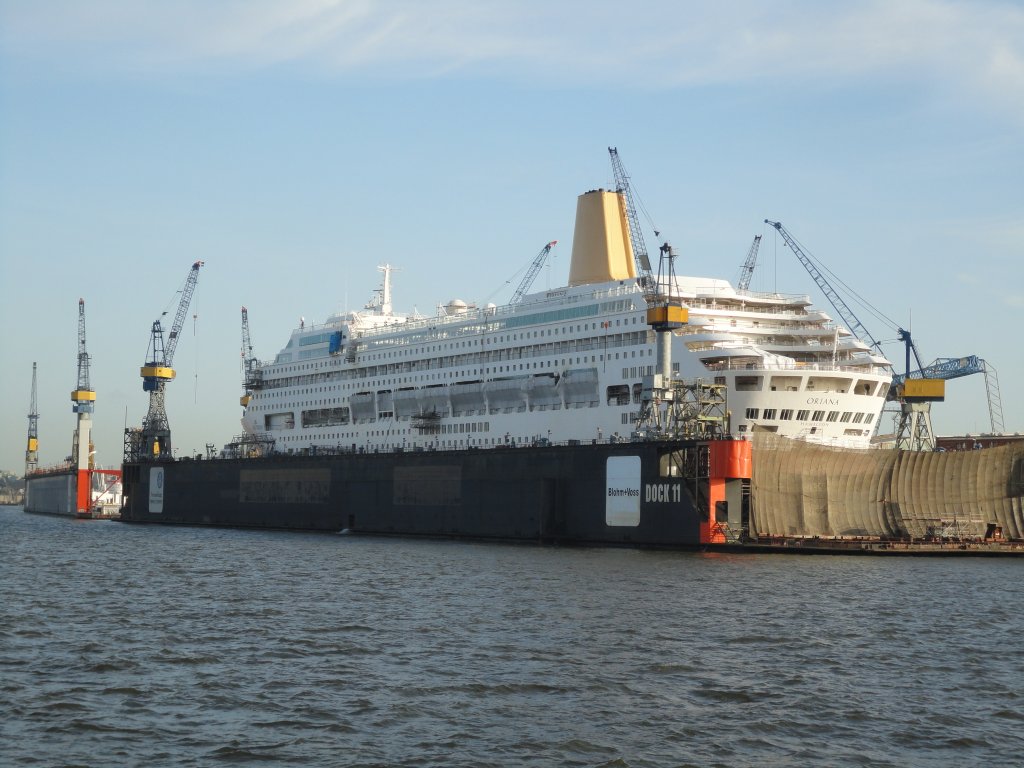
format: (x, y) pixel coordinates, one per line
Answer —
(601, 250)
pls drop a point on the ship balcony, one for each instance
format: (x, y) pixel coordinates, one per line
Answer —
(747, 364)
(798, 328)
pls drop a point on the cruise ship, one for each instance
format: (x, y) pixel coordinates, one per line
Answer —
(562, 365)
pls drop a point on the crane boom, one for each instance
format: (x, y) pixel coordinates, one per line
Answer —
(845, 313)
(83, 356)
(945, 368)
(636, 236)
(531, 275)
(179, 318)
(246, 342)
(84, 398)
(747, 270)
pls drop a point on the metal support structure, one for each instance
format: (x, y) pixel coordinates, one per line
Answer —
(249, 445)
(684, 409)
(672, 408)
(914, 431)
(995, 400)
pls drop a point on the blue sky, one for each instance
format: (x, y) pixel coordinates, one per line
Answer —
(293, 146)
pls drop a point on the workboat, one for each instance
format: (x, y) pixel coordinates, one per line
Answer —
(560, 365)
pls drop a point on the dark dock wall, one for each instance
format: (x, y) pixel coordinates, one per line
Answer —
(550, 494)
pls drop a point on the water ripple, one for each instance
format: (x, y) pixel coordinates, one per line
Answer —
(199, 647)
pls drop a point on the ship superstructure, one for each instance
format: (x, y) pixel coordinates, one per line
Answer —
(565, 364)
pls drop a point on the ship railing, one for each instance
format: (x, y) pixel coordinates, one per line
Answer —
(797, 297)
(52, 469)
(482, 315)
(797, 366)
(709, 298)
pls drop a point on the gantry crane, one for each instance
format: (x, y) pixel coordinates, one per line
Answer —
(84, 403)
(252, 373)
(32, 445)
(953, 368)
(747, 270)
(155, 436)
(531, 275)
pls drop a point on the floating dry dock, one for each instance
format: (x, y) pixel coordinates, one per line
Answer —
(729, 495)
(805, 491)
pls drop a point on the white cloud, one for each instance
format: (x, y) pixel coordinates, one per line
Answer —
(962, 50)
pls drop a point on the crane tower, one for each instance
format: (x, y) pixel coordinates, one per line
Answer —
(84, 402)
(154, 439)
(669, 407)
(32, 446)
(252, 376)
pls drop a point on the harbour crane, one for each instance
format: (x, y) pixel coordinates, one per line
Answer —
(747, 270)
(252, 373)
(84, 403)
(669, 407)
(915, 390)
(636, 236)
(155, 436)
(531, 275)
(955, 367)
(845, 313)
(32, 445)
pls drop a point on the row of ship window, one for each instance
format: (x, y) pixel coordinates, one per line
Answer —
(479, 341)
(497, 369)
(462, 344)
(786, 414)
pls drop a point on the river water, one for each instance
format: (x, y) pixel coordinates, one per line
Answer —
(141, 645)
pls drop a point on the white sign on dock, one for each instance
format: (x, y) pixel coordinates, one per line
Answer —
(156, 490)
(622, 496)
